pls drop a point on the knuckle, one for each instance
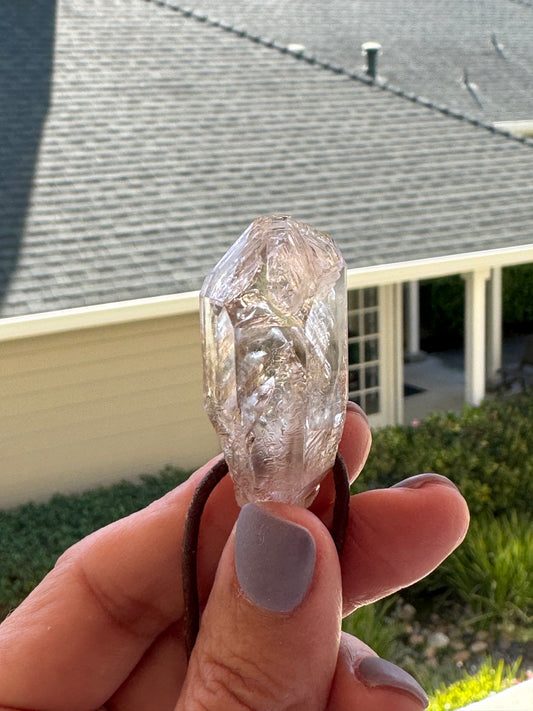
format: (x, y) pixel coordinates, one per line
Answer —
(232, 683)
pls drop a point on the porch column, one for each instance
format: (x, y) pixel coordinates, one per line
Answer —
(413, 352)
(494, 324)
(398, 353)
(475, 368)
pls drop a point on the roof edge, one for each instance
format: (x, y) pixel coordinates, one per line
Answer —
(109, 314)
(53, 322)
(434, 267)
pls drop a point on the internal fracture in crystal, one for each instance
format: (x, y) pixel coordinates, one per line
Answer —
(273, 318)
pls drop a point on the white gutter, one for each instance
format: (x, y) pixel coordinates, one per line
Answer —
(98, 315)
(187, 303)
(438, 266)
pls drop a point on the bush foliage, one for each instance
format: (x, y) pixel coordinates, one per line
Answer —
(492, 571)
(33, 536)
(486, 451)
(490, 679)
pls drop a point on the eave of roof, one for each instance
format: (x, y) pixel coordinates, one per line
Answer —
(109, 314)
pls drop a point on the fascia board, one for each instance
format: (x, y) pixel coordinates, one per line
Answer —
(99, 315)
(434, 267)
(187, 303)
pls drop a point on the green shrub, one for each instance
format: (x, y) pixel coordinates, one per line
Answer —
(442, 308)
(375, 627)
(34, 535)
(442, 305)
(492, 571)
(517, 284)
(486, 451)
(488, 680)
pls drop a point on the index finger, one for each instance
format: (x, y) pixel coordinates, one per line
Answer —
(83, 630)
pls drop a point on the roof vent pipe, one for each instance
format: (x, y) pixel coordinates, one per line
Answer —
(371, 49)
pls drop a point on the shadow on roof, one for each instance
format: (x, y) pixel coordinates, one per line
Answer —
(26, 58)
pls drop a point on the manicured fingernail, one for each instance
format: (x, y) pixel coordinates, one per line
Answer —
(415, 482)
(374, 671)
(274, 559)
(354, 407)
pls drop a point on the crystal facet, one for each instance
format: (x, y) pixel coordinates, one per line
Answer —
(273, 317)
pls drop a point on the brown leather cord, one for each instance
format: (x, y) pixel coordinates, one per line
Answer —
(192, 528)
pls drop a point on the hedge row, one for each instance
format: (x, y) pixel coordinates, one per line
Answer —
(487, 451)
(33, 536)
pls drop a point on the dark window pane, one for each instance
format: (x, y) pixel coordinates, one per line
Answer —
(371, 297)
(353, 299)
(372, 403)
(353, 324)
(371, 349)
(371, 322)
(354, 380)
(355, 398)
(371, 377)
(353, 353)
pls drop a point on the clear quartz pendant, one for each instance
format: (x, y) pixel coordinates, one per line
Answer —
(273, 318)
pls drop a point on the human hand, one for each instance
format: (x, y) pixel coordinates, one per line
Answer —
(104, 630)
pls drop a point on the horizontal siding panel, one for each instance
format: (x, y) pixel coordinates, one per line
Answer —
(183, 361)
(33, 432)
(77, 348)
(102, 415)
(82, 408)
(51, 391)
(69, 469)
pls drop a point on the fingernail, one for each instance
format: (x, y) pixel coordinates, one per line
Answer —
(354, 407)
(274, 559)
(416, 482)
(375, 671)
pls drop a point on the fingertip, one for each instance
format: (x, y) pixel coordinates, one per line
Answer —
(365, 682)
(274, 559)
(275, 605)
(356, 440)
(397, 536)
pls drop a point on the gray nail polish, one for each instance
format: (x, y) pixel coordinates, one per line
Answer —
(374, 671)
(274, 559)
(415, 482)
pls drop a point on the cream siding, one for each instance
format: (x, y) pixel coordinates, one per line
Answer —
(90, 406)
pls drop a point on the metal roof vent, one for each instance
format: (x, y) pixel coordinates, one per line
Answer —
(371, 50)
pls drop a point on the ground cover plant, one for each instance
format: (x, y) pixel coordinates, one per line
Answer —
(33, 536)
(478, 603)
(489, 679)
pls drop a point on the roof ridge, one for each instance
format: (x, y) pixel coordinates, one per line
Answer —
(304, 56)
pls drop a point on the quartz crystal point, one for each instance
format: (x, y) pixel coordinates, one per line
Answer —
(273, 317)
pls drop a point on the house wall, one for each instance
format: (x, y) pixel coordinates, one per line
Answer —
(86, 404)
(88, 407)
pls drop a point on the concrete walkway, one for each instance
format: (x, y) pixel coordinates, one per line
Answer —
(441, 377)
(516, 698)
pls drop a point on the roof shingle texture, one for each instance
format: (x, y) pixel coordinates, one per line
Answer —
(428, 48)
(162, 137)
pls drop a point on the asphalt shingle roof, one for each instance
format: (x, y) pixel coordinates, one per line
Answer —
(428, 48)
(157, 138)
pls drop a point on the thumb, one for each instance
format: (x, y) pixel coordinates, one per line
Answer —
(269, 636)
